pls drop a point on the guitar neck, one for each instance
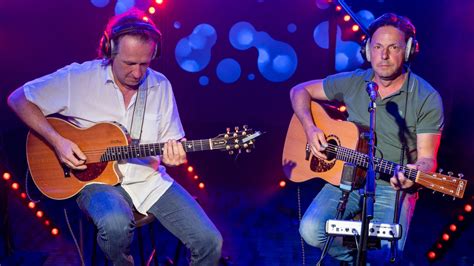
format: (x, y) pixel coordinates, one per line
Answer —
(144, 150)
(380, 165)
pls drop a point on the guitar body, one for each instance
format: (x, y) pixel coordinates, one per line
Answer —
(340, 133)
(48, 173)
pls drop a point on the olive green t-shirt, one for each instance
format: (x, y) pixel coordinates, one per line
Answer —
(416, 108)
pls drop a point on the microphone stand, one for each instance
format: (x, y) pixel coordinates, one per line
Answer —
(369, 194)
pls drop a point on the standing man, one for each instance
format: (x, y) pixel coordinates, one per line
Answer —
(408, 129)
(106, 90)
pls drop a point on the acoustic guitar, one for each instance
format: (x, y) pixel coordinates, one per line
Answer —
(104, 144)
(344, 145)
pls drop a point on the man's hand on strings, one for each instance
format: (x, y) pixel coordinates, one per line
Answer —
(317, 141)
(69, 154)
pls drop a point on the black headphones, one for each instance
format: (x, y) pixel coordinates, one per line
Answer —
(399, 22)
(411, 49)
(108, 43)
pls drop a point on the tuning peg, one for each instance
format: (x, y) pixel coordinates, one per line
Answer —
(461, 175)
(231, 152)
(434, 192)
(246, 145)
(245, 127)
(236, 140)
(440, 170)
(450, 173)
(236, 129)
(227, 147)
(236, 146)
(248, 150)
(227, 129)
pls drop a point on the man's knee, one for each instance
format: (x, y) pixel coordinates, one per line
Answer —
(313, 232)
(117, 228)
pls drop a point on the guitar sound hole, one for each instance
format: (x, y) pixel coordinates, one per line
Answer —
(92, 172)
(331, 152)
(320, 165)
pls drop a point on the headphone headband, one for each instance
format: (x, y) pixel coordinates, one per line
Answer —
(108, 40)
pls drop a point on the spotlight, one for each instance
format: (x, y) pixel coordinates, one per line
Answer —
(201, 185)
(159, 2)
(460, 217)
(145, 18)
(151, 10)
(54, 231)
(47, 222)
(196, 177)
(190, 169)
(355, 28)
(338, 8)
(23, 195)
(15, 186)
(347, 18)
(31, 205)
(342, 108)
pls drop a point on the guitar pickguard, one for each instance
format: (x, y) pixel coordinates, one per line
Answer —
(93, 171)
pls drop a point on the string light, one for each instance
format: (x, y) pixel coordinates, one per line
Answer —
(282, 183)
(55, 231)
(151, 10)
(6, 176)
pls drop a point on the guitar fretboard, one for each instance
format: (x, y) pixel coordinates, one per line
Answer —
(144, 150)
(362, 160)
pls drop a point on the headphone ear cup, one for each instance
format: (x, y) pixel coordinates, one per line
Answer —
(364, 50)
(105, 45)
(409, 49)
(367, 50)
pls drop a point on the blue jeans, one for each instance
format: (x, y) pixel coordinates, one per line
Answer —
(110, 208)
(324, 207)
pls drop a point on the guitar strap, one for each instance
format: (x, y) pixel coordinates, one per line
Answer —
(139, 113)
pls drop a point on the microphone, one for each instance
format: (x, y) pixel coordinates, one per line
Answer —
(372, 89)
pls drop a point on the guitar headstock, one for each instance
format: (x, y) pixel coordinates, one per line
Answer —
(446, 184)
(236, 140)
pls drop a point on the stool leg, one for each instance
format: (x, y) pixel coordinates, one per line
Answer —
(153, 244)
(140, 246)
(177, 252)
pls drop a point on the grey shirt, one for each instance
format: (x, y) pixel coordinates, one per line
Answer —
(416, 108)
